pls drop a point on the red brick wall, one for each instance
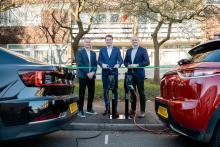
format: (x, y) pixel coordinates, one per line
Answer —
(36, 34)
(212, 28)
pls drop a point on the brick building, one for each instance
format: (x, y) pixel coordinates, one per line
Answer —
(30, 30)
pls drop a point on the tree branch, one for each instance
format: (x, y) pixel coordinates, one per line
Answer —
(168, 34)
(81, 5)
(94, 9)
(156, 30)
(58, 22)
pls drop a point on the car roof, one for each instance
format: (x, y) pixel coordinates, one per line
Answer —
(205, 47)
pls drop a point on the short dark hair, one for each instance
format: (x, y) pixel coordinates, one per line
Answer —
(110, 36)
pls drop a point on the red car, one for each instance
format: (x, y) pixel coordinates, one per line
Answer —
(189, 102)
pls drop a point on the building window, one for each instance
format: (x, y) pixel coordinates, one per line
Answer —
(217, 36)
(26, 53)
(100, 18)
(21, 16)
(143, 19)
(114, 18)
(84, 17)
(124, 18)
(213, 1)
(50, 53)
(4, 18)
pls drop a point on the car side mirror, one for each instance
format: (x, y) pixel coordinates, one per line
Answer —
(184, 61)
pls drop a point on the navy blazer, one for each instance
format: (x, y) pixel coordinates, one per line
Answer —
(141, 58)
(115, 58)
(82, 60)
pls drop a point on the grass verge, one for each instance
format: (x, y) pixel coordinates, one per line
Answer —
(151, 89)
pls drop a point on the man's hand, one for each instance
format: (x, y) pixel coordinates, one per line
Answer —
(90, 75)
(104, 66)
(132, 65)
(116, 66)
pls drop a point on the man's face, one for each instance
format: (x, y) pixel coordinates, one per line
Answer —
(108, 41)
(135, 41)
(87, 43)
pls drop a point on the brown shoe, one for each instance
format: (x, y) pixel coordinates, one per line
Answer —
(141, 115)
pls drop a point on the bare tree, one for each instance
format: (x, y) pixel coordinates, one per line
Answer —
(6, 5)
(167, 13)
(53, 32)
(51, 29)
(74, 12)
(7, 35)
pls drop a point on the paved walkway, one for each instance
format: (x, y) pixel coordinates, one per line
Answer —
(100, 122)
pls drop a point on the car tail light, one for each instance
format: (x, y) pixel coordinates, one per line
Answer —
(195, 73)
(43, 78)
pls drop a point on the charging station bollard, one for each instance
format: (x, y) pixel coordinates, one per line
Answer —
(126, 105)
(113, 108)
(111, 79)
(128, 85)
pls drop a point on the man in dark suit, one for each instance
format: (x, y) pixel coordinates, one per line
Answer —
(110, 60)
(86, 58)
(135, 57)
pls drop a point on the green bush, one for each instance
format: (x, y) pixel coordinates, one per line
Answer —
(151, 89)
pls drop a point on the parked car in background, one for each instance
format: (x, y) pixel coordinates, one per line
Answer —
(189, 102)
(35, 98)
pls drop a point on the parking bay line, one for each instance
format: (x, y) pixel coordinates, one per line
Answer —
(106, 139)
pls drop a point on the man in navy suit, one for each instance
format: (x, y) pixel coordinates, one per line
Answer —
(86, 58)
(110, 60)
(135, 57)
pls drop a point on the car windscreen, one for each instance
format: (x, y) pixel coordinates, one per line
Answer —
(210, 56)
(11, 57)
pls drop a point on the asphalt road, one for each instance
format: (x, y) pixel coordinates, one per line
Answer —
(106, 138)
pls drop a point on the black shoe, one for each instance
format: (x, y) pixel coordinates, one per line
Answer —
(117, 115)
(106, 112)
(91, 112)
(131, 113)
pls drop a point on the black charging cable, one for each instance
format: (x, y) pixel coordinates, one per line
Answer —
(85, 138)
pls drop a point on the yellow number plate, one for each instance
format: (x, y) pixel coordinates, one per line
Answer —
(73, 107)
(162, 111)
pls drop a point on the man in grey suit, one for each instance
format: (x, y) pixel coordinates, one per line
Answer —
(137, 56)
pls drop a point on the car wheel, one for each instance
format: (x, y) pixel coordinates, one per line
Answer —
(216, 137)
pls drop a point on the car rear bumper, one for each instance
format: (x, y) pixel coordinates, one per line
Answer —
(170, 121)
(43, 117)
(32, 130)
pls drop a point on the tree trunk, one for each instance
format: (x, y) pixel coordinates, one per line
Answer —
(157, 64)
(134, 26)
(74, 49)
(157, 45)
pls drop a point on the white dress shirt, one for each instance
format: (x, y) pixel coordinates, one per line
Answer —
(133, 53)
(109, 50)
(88, 54)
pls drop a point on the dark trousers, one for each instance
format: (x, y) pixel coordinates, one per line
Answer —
(90, 83)
(139, 83)
(105, 82)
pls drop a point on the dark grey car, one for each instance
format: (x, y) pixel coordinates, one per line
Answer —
(35, 98)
